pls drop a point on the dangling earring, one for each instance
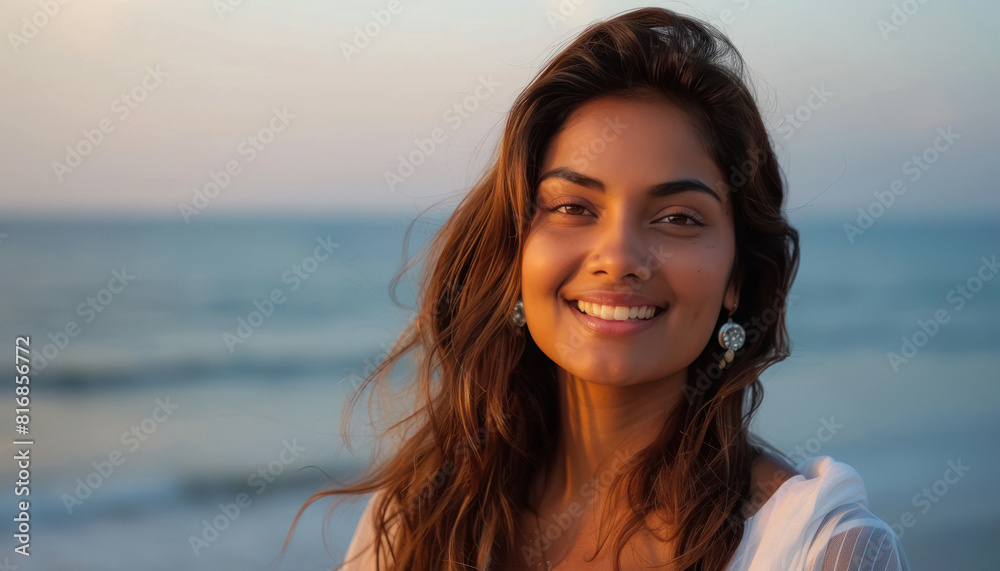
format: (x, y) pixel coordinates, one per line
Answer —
(731, 337)
(518, 317)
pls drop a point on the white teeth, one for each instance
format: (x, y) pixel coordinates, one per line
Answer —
(616, 312)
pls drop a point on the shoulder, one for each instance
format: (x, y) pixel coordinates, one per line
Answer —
(851, 538)
(825, 503)
(768, 473)
(361, 552)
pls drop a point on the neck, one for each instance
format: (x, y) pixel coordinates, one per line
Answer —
(601, 428)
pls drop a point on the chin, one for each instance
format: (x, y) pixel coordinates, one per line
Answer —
(611, 377)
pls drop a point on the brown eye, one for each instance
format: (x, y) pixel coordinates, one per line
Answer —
(685, 219)
(559, 208)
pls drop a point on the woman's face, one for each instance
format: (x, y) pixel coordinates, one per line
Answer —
(627, 187)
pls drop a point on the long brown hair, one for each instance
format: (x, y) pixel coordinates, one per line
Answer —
(484, 414)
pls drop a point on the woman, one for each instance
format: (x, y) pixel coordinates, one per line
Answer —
(584, 386)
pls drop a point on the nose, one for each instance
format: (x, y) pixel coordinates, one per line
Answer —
(619, 249)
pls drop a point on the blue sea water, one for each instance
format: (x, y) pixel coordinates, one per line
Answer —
(153, 417)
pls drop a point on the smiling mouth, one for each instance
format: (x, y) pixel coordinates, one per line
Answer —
(616, 313)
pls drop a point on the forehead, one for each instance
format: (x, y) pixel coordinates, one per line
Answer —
(633, 142)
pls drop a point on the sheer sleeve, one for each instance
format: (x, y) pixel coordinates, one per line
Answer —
(851, 538)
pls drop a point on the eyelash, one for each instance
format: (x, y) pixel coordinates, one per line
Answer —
(698, 220)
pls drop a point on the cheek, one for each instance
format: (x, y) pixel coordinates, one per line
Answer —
(543, 264)
(699, 270)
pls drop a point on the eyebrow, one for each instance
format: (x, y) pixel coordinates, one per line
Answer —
(661, 189)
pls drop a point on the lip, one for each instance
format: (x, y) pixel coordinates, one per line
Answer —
(608, 327)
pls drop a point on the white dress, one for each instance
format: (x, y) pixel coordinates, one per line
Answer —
(819, 521)
(815, 521)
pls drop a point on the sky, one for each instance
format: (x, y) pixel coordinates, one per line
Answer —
(132, 107)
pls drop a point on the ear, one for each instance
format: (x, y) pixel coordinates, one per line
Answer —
(732, 298)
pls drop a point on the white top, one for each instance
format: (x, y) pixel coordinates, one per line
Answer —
(819, 521)
(815, 521)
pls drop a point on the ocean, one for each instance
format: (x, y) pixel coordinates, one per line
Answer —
(188, 381)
